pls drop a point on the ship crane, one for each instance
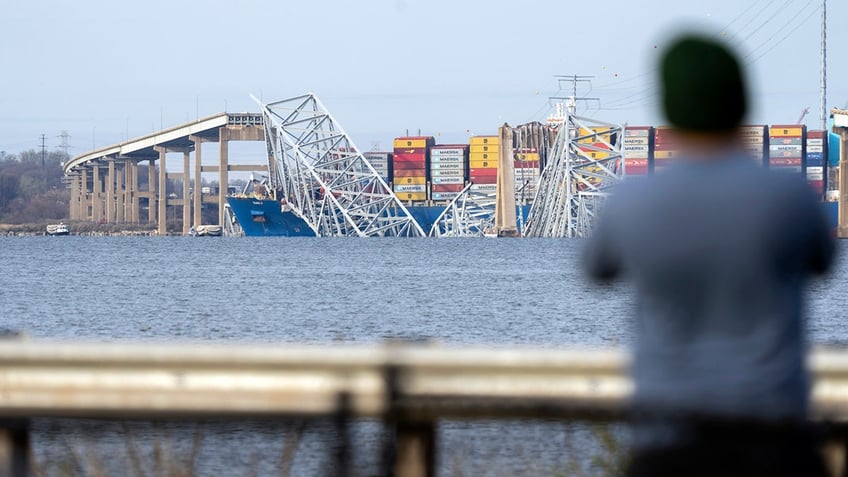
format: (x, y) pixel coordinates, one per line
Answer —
(803, 115)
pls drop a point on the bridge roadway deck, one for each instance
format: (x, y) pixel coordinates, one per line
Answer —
(104, 182)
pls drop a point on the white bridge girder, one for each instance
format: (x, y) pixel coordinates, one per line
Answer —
(323, 177)
(574, 185)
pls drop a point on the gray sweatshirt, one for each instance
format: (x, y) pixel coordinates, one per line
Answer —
(719, 252)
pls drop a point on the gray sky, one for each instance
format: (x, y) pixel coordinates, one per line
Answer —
(105, 69)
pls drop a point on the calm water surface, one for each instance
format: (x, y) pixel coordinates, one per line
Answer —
(474, 291)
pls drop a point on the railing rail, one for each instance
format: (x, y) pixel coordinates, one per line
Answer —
(407, 385)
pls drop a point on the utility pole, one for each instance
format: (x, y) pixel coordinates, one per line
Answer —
(43, 150)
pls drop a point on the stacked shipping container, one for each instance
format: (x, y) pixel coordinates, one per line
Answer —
(753, 140)
(447, 171)
(665, 148)
(816, 162)
(382, 162)
(637, 150)
(526, 162)
(409, 174)
(483, 163)
(786, 148)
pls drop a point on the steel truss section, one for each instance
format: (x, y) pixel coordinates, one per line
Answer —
(469, 214)
(320, 174)
(232, 228)
(574, 185)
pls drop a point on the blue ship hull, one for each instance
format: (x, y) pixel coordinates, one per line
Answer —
(265, 218)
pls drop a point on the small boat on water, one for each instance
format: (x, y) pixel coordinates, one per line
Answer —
(206, 231)
(58, 229)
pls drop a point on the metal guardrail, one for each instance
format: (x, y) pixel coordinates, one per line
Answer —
(409, 386)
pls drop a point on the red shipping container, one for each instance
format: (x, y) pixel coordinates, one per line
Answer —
(636, 167)
(484, 171)
(784, 162)
(410, 172)
(664, 136)
(484, 179)
(447, 187)
(409, 154)
(818, 187)
(410, 165)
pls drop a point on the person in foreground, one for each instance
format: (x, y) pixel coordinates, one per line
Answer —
(719, 250)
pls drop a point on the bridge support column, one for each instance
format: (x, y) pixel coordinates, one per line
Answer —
(151, 191)
(163, 191)
(119, 192)
(95, 194)
(110, 193)
(186, 193)
(82, 212)
(197, 197)
(223, 172)
(132, 191)
(72, 204)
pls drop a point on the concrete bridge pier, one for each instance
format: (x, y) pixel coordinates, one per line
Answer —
(186, 192)
(84, 200)
(151, 191)
(110, 192)
(96, 188)
(197, 196)
(120, 173)
(162, 202)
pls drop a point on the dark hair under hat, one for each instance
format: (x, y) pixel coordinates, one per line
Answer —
(702, 85)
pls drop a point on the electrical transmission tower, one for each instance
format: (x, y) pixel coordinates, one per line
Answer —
(65, 145)
(584, 164)
(43, 150)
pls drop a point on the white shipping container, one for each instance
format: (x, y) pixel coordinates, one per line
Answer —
(749, 131)
(815, 176)
(485, 188)
(636, 141)
(448, 180)
(447, 159)
(445, 195)
(751, 140)
(449, 173)
(815, 142)
(636, 133)
(450, 166)
(411, 188)
(785, 141)
(636, 154)
(446, 152)
(785, 148)
(815, 149)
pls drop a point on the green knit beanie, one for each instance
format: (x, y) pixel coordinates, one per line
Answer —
(702, 86)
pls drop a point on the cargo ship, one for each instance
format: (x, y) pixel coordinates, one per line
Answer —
(266, 217)
(426, 176)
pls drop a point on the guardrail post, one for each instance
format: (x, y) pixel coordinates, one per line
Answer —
(835, 451)
(415, 449)
(14, 447)
(411, 448)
